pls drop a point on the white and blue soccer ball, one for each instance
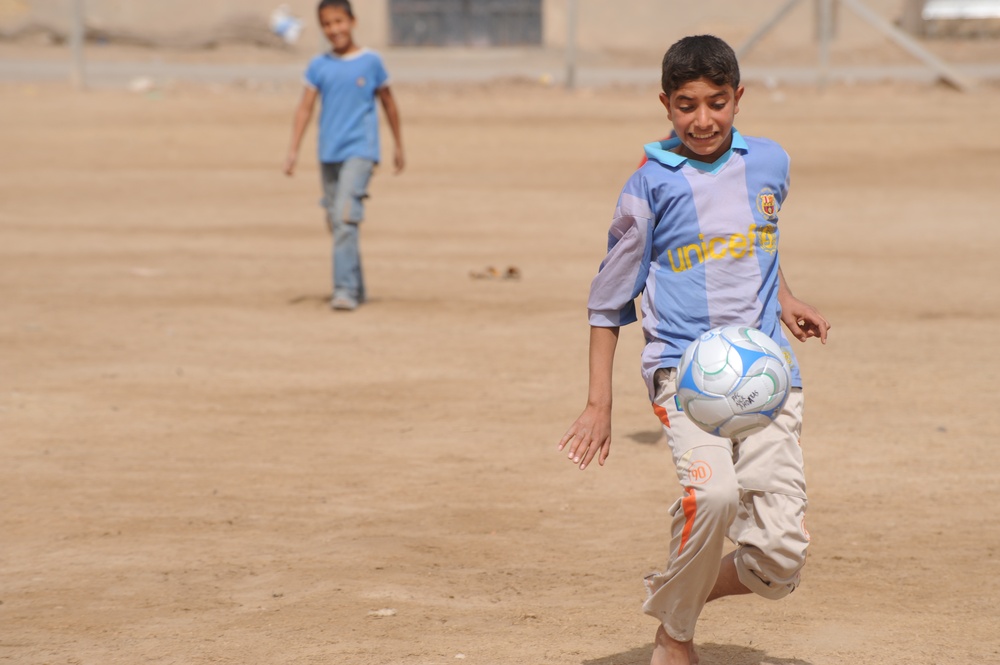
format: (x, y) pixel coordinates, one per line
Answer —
(732, 381)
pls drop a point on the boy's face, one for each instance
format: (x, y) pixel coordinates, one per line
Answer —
(703, 115)
(337, 26)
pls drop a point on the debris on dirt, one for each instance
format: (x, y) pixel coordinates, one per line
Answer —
(491, 272)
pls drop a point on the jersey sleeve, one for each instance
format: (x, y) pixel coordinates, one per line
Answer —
(788, 177)
(381, 75)
(311, 77)
(778, 165)
(622, 276)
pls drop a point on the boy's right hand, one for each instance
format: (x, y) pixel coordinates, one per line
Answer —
(589, 435)
(289, 168)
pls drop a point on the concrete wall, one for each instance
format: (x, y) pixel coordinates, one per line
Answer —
(174, 17)
(603, 25)
(652, 25)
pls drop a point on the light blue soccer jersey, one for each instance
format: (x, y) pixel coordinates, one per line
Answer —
(699, 242)
(348, 120)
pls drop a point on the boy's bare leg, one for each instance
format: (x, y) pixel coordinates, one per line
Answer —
(667, 650)
(728, 582)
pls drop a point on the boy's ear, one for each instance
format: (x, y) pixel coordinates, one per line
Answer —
(665, 100)
(736, 99)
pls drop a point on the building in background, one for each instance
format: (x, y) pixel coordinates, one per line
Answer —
(465, 22)
(622, 26)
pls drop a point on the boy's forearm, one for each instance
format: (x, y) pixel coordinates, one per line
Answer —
(397, 133)
(302, 117)
(785, 298)
(783, 289)
(603, 342)
(303, 114)
(392, 115)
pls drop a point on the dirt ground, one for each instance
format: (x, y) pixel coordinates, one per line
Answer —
(201, 463)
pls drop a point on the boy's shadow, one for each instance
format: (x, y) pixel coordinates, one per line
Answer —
(648, 438)
(318, 300)
(709, 653)
(310, 299)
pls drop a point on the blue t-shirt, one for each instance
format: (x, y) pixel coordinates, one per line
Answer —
(699, 242)
(348, 119)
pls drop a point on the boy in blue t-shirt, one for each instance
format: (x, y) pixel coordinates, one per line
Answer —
(695, 233)
(347, 79)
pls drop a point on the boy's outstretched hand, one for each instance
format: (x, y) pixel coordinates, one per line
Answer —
(589, 436)
(803, 320)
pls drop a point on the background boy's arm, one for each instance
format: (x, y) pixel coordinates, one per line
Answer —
(303, 114)
(392, 115)
(591, 432)
(803, 320)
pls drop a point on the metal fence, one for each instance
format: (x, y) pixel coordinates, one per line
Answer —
(466, 22)
(590, 42)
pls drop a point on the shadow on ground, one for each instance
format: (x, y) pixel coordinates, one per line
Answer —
(310, 298)
(709, 653)
(648, 438)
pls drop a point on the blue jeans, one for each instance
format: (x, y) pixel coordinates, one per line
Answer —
(345, 187)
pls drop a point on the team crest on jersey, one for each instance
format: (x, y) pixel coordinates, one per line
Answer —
(361, 81)
(768, 238)
(767, 204)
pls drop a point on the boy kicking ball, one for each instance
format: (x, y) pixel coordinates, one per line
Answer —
(695, 233)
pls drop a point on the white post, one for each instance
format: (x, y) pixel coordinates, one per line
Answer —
(825, 31)
(76, 36)
(571, 14)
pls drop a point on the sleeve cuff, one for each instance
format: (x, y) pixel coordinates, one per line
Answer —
(612, 318)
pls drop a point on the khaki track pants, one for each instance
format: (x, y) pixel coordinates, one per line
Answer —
(752, 492)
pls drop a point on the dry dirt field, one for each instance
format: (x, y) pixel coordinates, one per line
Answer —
(201, 463)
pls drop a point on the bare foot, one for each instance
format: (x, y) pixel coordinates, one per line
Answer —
(668, 651)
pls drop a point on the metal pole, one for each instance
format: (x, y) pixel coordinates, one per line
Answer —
(947, 73)
(571, 14)
(76, 34)
(765, 28)
(825, 18)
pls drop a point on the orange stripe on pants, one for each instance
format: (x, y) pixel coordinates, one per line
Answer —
(661, 413)
(690, 506)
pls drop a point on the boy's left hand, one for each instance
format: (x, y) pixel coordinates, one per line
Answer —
(589, 436)
(804, 320)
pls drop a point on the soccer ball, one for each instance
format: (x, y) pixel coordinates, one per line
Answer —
(732, 381)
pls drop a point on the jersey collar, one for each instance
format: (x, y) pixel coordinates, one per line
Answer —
(350, 56)
(661, 151)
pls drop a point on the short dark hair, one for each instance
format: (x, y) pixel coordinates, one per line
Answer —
(699, 56)
(342, 4)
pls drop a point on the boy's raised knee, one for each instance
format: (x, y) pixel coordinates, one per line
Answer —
(772, 576)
